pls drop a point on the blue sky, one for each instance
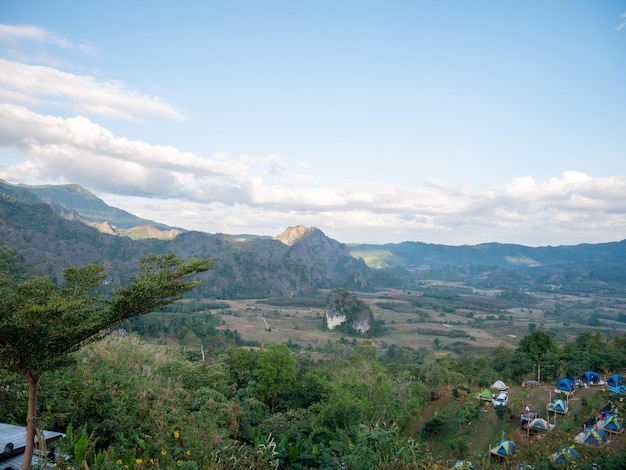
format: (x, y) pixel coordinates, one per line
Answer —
(448, 122)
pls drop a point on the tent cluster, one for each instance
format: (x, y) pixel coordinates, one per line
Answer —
(567, 385)
(489, 395)
(595, 435)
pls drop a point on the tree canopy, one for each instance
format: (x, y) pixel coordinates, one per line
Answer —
(41, 322)
(536, 345)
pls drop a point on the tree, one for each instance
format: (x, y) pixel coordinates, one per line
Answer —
(42, 323)
(536, 345)
(275, 372)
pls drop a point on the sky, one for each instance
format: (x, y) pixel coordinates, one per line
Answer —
(454, 122)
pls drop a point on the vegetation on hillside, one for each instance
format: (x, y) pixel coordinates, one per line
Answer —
(41, 323)
(141, 405)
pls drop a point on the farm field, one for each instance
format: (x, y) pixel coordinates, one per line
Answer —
(474, 320)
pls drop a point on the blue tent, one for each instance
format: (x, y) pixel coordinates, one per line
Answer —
(595, 436)
(558, 406)
(614, 424)
(565, 385)
(590, 378)
(565, 455)
(621, 389)
(504, 449)
(539, 424)
(615, 380)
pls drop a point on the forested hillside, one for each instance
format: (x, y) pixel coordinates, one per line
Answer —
(151, 406)
(46, 242)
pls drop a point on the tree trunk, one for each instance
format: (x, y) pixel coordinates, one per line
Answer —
(538, 371)
(31, 420)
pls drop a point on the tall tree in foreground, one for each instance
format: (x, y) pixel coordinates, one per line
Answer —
(275, 372)
(42, 323)
(536, 345)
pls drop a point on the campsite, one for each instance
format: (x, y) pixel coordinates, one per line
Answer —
(489, 435)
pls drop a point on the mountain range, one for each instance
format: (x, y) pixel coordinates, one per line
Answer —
(45, 229)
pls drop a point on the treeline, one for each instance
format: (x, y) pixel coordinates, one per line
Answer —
(143, 405)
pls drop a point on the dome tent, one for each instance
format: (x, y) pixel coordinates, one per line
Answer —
(540, 424)
(504, 449)
(594, 436)
(564, 455)
(614, 424)
(590, 378)
(615, 380)
(558, 406)
(499, 385)
(565, 385)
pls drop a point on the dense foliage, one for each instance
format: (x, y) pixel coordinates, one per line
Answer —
(42, 323)
(131, 403)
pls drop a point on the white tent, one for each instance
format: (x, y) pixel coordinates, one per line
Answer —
(499, 385)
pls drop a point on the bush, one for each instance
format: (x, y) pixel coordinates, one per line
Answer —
(435, 426)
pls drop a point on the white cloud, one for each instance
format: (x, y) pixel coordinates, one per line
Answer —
(79, 150)
(10, 33)
(622, 25)
(228, 194)
(35, 85)
(14, 34)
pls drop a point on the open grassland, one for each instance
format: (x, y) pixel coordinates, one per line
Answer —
(435, 318)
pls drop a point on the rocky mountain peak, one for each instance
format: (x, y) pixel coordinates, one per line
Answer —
(293, 235)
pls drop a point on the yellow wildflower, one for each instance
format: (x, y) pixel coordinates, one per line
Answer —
(138, 461)
(176, 434)
(119, 461)
(188, 452)
(163, 452)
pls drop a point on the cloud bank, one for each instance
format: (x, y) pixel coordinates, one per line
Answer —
(48, 124)
(225, 193)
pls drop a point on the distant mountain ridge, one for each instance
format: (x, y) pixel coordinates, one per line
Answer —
(48, 237)
(421, 256)
(50, 227)
(75, 198)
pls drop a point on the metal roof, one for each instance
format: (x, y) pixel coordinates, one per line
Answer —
(13, 442)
